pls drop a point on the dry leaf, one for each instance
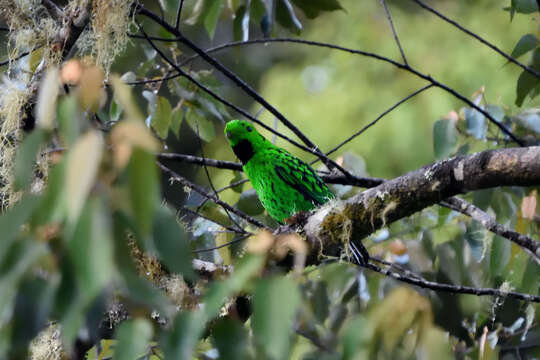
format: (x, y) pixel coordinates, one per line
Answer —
(528, 206)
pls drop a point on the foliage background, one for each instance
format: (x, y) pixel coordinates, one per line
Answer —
(83, 270)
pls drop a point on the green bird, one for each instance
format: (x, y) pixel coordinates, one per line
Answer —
(285, 184)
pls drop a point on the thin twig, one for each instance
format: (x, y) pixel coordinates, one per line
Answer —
(456, 289)
(489, 223)
(234, 241)
(229, 165)
(20, 56)
(176, 177)
(394, 33)
(404, 67)
(179, 14)
(245, 87)
(477, 37)
(386, 112)
(194, 213)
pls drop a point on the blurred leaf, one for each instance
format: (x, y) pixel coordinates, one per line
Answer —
(476, 123)
(224, 252)
(200, 125)
(525, 84)
(496, 111)
(13, 219)
(524, 6)
(21, 256)
(180, 341)
(476, 238)
(26, 158)
(210, 15)
(231, 339)
(241, 23)
(176, 120)
(91, 249)
(444, 138)
(68, 120)
(82, 168)
(286, 17)
(321, 302)
(46, 102)
(171, 243)
(238, 176)
(527, 43)
(244, 270)
(124, 99)
(529, 119)
(500, 255)
(312, 8)
(161, 118)
(133, 339)
(143, 188)
(249, 203)
(354, 336)
(276, 301)
(530, 283)
(32, 307)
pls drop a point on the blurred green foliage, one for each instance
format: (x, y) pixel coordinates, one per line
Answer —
(96, 256)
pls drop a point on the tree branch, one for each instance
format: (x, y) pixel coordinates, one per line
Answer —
(489, 223)
(412, 192)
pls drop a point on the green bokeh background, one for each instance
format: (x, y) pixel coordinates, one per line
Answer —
(330, 94)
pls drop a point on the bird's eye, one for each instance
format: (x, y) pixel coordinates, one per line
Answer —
(249, 129)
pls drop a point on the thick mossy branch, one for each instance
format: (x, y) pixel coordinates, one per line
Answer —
(414, 191)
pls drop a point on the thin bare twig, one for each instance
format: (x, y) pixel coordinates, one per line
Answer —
(477, 37)
(456, 289)
(394, 33)
(179, 14)
(176, 177)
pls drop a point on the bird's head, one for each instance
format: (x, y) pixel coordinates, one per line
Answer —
(244, 139)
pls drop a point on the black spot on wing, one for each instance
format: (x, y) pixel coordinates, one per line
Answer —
(298, 185)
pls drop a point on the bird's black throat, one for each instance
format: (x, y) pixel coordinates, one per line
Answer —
(244, 151)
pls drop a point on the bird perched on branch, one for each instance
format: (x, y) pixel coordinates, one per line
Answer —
(285, 184)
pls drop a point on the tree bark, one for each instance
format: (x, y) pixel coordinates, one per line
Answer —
(338, 222)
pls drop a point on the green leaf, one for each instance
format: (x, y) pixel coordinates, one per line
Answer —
(496, 112)
(500, 255)
(525, 84)
(231, 339)
(529, 119)
(353, 339)
(26, 158)
(530, 283)
(143, 188)
(161, 118)
(286, 17)
(244, 270)
(12, 220)
(527, 43)
(32, 308)
(133, 339)
(241, 24)
(176, 120)
(68, 120)
(476, 123)
(91, 249)
(249, 203)
(180, 341)
(524, 6)
(312, 8)
(200, 125)
(444, 138)
(211, 11)
(171, 243)
(476, 238)
(82, 168)
(276, 301)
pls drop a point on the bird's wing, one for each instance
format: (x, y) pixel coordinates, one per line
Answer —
(301, 177)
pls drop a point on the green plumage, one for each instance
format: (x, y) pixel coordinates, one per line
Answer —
(285, 184)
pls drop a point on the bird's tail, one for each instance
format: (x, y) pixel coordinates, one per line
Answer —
(359, 253)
